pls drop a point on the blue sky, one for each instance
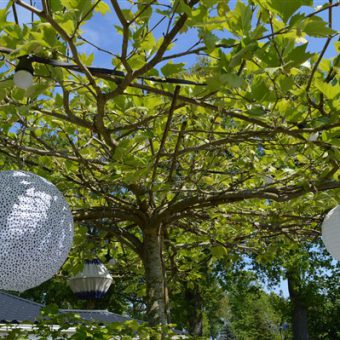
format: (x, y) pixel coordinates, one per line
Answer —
(100, 31)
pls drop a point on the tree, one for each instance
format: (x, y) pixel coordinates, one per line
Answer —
(140, 157)
(311, 276)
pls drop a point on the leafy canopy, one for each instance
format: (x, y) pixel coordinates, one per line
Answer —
(246, 150)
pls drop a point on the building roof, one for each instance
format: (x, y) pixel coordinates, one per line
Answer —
(14, 309)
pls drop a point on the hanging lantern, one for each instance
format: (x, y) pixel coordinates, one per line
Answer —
(331, 232)
(92, 282)
(23, 77)
(36, 230)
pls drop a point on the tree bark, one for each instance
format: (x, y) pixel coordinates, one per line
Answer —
(194, 309)
(299, 312)
(155, 281)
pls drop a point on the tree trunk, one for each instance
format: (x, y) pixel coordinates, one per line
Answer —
(155, 282)
(194, 309)
(91, 304)
(300, 321)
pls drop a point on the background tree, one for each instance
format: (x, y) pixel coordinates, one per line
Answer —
(139, 157)
(311, 277)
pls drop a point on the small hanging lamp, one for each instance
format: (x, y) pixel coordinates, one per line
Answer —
(331, 232)
(92, 282)
(23, 77)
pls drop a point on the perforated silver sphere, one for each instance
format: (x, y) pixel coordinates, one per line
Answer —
(36, 230)
(331, 232)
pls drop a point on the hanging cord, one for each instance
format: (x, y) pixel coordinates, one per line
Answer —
(102, 70)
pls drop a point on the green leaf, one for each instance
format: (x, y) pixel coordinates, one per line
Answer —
(337, 61)
(68, 26)
(87, 59)
(286, 83)
(337, 46)
(227, 42)
(259, 90)
(239, 20)
(227, 79)
(316, 27)
(327, 89)
(171, 68)
(297, 56)
(257, 111)
(103, 8)
(148, 42)
(136, 61)
(50, 36)
(3, 15)
(210, 40)
(223, 8)
(219, 251)
(145, 13)
(71, 4)
(285, 8)
(6, 83)
(245, 53)
(335, 142)
(182, 7)
(232, 80)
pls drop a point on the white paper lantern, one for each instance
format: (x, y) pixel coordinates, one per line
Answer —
(23, 79)
(92, 282)
(331, 232)
(36, 230)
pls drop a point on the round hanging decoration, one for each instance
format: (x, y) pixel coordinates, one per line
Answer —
(36, 230)
(92, 282)
(331, 232)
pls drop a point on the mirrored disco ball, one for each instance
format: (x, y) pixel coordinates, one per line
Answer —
(36, 230)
